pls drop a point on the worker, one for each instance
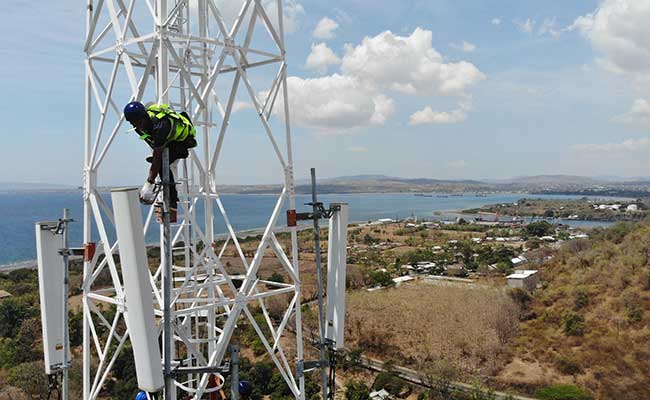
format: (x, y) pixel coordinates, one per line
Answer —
(159, 126)
(245, 390)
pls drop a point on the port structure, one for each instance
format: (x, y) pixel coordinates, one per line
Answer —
(202, 57)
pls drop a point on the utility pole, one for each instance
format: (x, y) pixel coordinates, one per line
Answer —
(319, 275)
(66, 278)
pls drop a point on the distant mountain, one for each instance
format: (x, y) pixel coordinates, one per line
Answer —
(30, 186)
(554, 180)
(360, 178)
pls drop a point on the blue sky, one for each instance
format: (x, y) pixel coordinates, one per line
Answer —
(489, 89)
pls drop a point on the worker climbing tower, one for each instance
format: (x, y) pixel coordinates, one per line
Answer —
(210, 58)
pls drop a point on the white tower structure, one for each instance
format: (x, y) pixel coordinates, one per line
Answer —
(203, 57)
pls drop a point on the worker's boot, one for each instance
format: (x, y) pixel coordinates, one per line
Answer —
(173, 215)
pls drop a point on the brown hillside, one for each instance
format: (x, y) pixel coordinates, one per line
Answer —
(590, 323)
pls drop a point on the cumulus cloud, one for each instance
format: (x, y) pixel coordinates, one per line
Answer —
(325, 28)
(359, 94)
(337, 104)
(639, 113)
(428, 116)
(321, 57)
(526, 26)
(626, 146)
(620, 32)
(465, 46)
(408, 65)
(496, 21)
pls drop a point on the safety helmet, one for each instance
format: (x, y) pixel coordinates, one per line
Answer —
(134, 110)
(245, 388)
(141, 396)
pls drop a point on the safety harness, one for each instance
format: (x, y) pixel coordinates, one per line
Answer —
(181, 125)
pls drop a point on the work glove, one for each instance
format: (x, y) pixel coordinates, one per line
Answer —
(147, 193)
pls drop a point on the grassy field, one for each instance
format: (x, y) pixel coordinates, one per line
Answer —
(466, 327)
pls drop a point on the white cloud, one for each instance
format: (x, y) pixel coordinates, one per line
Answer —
(408, 65)
(620, 32)
(626, 146)
(358, 95)
(457, 164)
(325, 28)
(465, 46)
(241, 105)
(526, 26)
(357, 149)
(292, 12)
(639, 113)
(496, 21)
(321, 57)
(337, 104)
(549, 27)
(428, 116)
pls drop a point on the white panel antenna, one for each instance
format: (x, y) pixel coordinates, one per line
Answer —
(336, 275)
(50, 281)
(137, 289)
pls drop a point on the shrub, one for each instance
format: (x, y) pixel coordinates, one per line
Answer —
(388, 381)
(356, 391)
(581, 299)
(520, 297)
(574, 324)
(30, 378)
(563, 392)
(380, 278)
(568, 366)
(633, 307)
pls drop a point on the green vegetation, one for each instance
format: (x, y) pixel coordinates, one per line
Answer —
(356, 390)
(563, 392)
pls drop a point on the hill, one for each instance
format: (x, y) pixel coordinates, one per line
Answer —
(589, 324)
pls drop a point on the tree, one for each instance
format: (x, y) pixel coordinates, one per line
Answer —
(355, 390)
(30, 378)
(541, 228)
(12, 314)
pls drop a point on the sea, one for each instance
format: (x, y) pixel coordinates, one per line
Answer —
(21, 209)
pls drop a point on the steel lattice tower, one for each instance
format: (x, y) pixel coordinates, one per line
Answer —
(191, 55)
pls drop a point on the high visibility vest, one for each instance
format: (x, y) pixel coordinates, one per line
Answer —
(181, 126)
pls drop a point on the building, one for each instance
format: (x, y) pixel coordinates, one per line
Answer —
(402, 279)
(4, 294)
(632, 208)
(518, 261)
(524, 279)
(380, 395)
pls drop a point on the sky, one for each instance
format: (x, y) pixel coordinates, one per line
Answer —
(434, 88)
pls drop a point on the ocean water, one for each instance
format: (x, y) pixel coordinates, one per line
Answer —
(20, 210)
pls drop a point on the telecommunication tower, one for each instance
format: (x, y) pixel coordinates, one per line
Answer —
(202, 57)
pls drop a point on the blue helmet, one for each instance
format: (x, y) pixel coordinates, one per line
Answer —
(141, 396)
(245, 388)
(134, 110)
